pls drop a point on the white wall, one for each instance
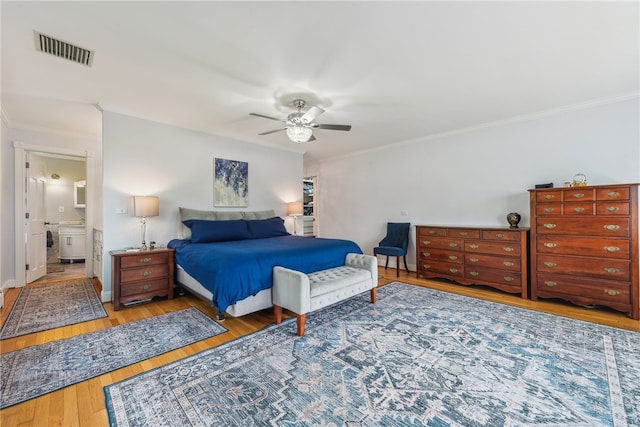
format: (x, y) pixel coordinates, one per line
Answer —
(475, 177)
(147, 158)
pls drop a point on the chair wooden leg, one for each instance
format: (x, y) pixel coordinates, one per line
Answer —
(405, 263)
(373, 295)
(397, 266)
(300, 321)
(386, 264)
(277, 313)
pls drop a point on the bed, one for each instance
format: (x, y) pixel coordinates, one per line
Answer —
(228, 257)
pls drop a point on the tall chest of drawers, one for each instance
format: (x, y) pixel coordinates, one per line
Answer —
(492, 256)
(584, 246)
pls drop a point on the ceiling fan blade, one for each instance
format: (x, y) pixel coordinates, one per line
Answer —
(311, 114)
(271, 131)
(313, 138)
(332, 127)
(266, 117)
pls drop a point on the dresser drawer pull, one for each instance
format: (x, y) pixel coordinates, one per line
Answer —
(508, 279)
(145, 260)
(426, 266)
(508, 264)
(453, 257)
(550, 226)
(507, 249)
(145, 287)
(548, 196)
(463, 233)
(474, 246)
(474, 273)
(611, 292)
(548, 210)
(550, 264)
(612, 270)
(426, 254)
(145, 273)
(613, 194)
(453, 270)
(426, 242)
(612, 208)
(578, 209)
(474, 260)
(499, 235)
(550, 245)
(432, 231)
(550, 283)
(611, 248)
(578, 195)
(611, 227)
(453, 245)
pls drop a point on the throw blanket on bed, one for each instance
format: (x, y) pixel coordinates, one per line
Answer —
(235, 270)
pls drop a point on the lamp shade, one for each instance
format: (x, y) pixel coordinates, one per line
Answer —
(145, 206)
(294, 208)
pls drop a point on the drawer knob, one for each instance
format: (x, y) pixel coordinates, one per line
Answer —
(426, 242)
(432, 231)
(474, 273)
(611, 248)
(508, 264)
(508, 279)
(550, 283)
(474, 260)
(611, 292)
(612, 270)
(145, 259)
(145, 273)
(453, 245)
(611, 227)
(578, 209)
(453, 270)
(548, 196)
(453, 257)
(472, 246)
(145, 287)
(426, 266)
(499, 235)
(550, 245)
(548, 210)
(578, 195)
(613, 194)
(550, 226)
(612, 208)
(550, 264)
(426, 254)
(507, 249)
(463, 233)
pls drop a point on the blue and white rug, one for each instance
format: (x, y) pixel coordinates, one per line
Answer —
(419, 357)
(42, 307)
(40, 369)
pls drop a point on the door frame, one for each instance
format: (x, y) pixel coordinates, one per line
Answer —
(20, 181)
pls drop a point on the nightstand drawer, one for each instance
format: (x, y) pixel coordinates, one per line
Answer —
(139, 288)
(144, 273)
(145, 258)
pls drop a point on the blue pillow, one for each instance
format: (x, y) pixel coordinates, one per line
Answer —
(271, 227)
(205, 231)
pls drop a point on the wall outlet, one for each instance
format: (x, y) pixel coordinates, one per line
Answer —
(121, 210)
(60, 208)
(404, 213)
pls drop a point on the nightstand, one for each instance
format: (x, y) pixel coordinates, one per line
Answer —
(140, 276)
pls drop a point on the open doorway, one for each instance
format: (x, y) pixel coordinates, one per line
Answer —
(309, 206)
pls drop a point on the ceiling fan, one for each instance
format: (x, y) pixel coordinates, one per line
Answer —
(299, 126)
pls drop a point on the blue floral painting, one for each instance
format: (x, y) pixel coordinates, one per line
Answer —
(230, 183)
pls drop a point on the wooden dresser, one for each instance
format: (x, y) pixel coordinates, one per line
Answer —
(584, 245)
(140, 276)
(492, 256)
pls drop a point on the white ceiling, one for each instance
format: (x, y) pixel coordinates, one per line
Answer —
(395, 71)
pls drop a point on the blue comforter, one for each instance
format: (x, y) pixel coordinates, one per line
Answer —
(233, 271)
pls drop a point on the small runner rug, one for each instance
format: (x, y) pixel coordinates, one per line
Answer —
(37, 370)
(418, 357)
(43, 307)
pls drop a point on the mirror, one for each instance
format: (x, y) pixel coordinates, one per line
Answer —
(79, 194)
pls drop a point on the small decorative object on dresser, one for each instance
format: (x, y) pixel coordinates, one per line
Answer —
(139, 276)
(513, 219)
(491, 256)
(584, 246)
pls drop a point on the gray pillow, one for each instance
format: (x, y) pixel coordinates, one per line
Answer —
(185, 214)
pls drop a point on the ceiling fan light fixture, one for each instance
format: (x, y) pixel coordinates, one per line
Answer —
(299, 134)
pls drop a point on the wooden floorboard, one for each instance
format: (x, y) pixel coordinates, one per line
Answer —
(83, 404)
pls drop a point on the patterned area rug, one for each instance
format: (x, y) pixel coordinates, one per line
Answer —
(43, 307)
(34, 371)
(417, 357)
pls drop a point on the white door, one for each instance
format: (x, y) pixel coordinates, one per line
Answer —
(35, 232)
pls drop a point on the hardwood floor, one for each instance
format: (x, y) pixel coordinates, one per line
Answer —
(83, 404)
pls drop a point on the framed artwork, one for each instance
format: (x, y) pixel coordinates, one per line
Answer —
(230, 183)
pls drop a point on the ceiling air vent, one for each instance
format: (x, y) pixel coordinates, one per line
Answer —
(63, 49)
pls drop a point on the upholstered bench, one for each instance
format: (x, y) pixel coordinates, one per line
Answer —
(303, 293)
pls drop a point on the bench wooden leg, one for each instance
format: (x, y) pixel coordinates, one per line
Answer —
(373, 295)
(301, 320)
(277, 312)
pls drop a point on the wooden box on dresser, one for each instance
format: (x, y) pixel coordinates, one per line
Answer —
(140, 276)
(491, 256)
(584, 245)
